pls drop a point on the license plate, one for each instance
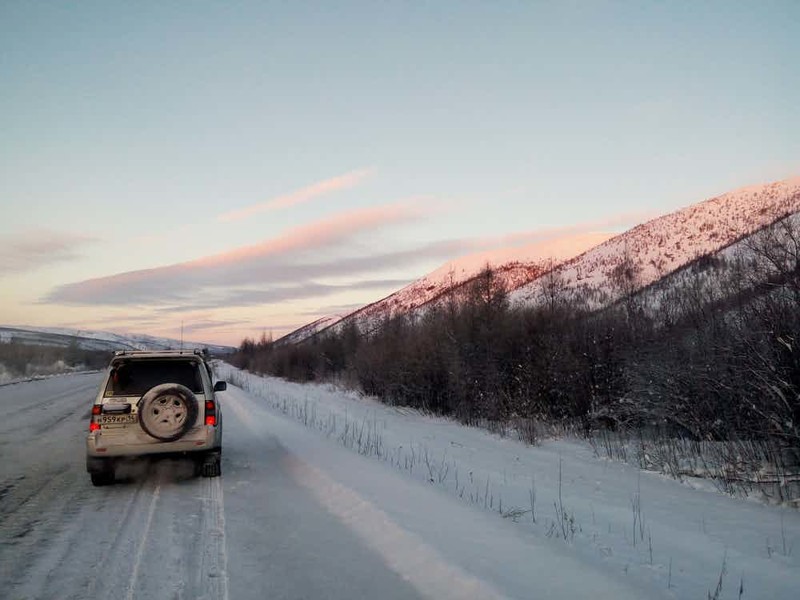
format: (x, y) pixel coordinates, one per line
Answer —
(117, 419)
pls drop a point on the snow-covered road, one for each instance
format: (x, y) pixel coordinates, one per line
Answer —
(279, 523)
(294, 515)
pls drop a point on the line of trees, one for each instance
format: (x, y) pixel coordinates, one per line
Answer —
(715, 356)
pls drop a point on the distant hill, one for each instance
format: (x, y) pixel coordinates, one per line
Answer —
(99, 340)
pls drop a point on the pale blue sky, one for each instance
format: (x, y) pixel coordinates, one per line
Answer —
(137, 124)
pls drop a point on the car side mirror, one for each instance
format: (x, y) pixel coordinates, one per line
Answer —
(220, 386)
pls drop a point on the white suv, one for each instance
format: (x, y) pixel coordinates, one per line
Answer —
(155, 403)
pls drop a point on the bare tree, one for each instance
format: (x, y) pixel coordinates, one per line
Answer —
(553, 286)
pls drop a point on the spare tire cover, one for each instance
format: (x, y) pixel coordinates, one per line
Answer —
(167, 411)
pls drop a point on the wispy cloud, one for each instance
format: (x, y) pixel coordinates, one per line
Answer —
(38, 248)
(209, 324)
(326, 232)
(285, 293)
(301, 196)
(239, 276)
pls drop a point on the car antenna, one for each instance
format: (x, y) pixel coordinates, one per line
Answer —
(181, 335)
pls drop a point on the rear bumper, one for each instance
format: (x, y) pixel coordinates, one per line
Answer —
(100, 444)
(104, 465)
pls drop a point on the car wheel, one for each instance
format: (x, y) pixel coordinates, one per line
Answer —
(101, 470)
(167, 411)
(101, 479)
(211, 465)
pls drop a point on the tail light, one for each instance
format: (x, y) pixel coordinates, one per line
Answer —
(96, 410)
(211, 413)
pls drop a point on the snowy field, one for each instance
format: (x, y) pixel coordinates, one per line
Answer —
(663, 537)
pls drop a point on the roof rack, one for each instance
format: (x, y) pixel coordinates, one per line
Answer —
(196, 351)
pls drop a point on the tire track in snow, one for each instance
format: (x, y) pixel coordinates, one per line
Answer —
(62, 539)
(143, 542)
(122, 524)
(73, 520)
(25, 418)
(160, 550)
(215, 551)
(80, 531)
(50, 401)
(27, 530)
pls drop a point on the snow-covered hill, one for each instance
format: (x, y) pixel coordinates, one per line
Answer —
(514, 265)
(659, 247)
(599, 268)
(309, 330)
(98, 340)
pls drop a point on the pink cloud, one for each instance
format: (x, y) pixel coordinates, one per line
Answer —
(301, 196)
(270, 261)
(320, 233)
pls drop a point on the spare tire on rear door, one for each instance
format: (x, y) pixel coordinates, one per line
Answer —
(168, 411)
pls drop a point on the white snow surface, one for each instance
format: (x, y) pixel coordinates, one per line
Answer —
(663, 245)
(685, 537)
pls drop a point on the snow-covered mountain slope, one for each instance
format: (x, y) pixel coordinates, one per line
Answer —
(736, 275)
(540, 252)
(597, 267)
(514, 265)
(653, 250)
(98, 340)
(309, 330)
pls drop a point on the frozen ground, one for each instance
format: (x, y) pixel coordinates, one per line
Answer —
(300, 513)
(657, 533)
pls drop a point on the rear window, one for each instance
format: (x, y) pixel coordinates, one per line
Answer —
(134, 378)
